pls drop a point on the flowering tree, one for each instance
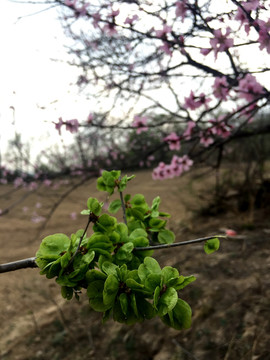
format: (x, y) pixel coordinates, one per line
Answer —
(173, 81)
(186, 63)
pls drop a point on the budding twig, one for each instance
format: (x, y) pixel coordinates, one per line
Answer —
(30, 262)
(188, 242)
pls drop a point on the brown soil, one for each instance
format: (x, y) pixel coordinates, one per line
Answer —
(230, 298)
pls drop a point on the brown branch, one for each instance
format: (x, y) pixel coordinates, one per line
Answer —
(19, 264)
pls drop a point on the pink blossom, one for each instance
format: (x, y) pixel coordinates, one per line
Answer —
(230, 232)
(162, 172)
(18, 182)
(73, 216)
(140, 123)
(72, 125)
(37, 218)
(242, 17)
(164, 31)
(185, 162)
(205, 51)
(193, 102)
(130, 20)
(177, 166)
(3, 181)
(81, 11)
(264, 39)
(114, 13)
(47, 182)
(181, 9)
(188, 132)
(173, 140)
(220, 86)
(249, 88)
(220, 128)
(221, 42)
(25, 209)
(251, 5)
(70, 2)
(32, 186)
(59, 125)
(205, 138)
(203, 100)
(96, 19)
(248, 111)
(110, 29)
(90, 118)
(166, 47)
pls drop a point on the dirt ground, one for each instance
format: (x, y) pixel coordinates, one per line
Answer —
(230, 298)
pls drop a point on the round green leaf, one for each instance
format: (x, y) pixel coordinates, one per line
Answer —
(211, 245)
(115, 206)
(166, 237)
(180, 317)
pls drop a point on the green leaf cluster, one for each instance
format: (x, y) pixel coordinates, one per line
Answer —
(142, 216)
(122, 281)
(130, 296)
(109, 180)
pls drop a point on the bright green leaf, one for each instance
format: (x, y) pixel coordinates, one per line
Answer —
(166, 237)
(115, 206)
(211, 245)
(180, 317)
(124, 303)
(111, 287)
(167, 301)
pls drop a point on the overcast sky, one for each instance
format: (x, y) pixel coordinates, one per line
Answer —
(30, 77)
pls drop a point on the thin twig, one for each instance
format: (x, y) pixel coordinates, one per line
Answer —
(81, 239)
(30, 262)
(188, 242)
(123, 207)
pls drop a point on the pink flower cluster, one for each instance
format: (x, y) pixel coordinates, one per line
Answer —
(221, 88)
(193, 102)
(163, 32)
(189, 130)
(139, 123)
(131, 20)
(79, 11)
(181, 9)
(221, 42)
(220, 127)
(249, 88)
(110, 26)
(173, 140)
(71, 125)
(264, 35)
(177, 166)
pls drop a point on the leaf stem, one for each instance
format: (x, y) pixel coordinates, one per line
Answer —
(81, 238)
(123, 207)
(188, 242)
